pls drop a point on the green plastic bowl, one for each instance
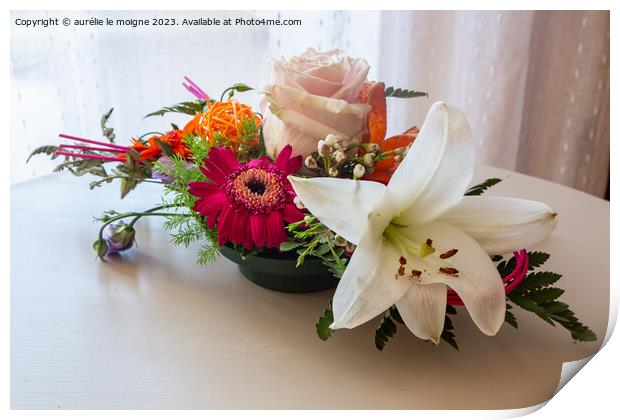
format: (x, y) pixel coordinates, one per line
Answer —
(277, 271)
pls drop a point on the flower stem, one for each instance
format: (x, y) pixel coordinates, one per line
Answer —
(150, 132)
(138, 215)
(150, 211)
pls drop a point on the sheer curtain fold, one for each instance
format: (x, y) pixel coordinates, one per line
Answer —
(534, 84)
(565, 130)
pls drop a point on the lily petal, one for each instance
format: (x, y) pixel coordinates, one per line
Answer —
(370, 284)
(437, 169)
(423, 308)
(342, 205)
(502, 224)
(476, 281)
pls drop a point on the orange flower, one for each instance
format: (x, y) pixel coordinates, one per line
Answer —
(373, 94)
(151, 150)
(225, 118)
(384, 169)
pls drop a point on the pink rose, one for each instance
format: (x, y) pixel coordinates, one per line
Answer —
(311, 96)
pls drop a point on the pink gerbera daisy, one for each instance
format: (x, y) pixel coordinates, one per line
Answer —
(250, 203)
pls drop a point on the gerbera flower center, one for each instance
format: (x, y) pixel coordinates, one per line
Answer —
(257, 189)
(256, 186)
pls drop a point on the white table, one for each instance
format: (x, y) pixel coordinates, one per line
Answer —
(152, 330)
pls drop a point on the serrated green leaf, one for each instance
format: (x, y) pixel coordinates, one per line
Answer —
(483, 186)
(48, 150)
(537, 280)
(396, 315)
(555, 307)
(536, 259)
(450, 338)
(289, 246)
(385, 331)
(506, 267)
(510, 318)
(322, 327)
(548, 294)
(583, 334)
(527, 304)
(189, 108)
(447, 333)
(402, 93)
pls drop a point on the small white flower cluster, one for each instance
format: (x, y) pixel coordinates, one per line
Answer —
(338, 156)
(332, 149)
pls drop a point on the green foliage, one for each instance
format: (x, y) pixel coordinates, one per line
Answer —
(237, 87)
(536, 259)
(249, 141)
(535, 294)
(447, 334)
(510, 318)
(189, 108)
(402, 93)
(80, 167)
(108, 132)
(132, 172)
(47, 150)
(262, 149)
(101, 248)
(322, 327)
(311, 238)
(387, 327)
(127, 184)
(107, 216)
(186, 230)
(385, 331)
(483, 186)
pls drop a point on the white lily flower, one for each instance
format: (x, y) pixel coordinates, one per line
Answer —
(420, 235)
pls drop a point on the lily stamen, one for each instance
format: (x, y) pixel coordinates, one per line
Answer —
(448, 254)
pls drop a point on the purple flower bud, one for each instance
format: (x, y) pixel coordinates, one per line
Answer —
(164, 177)
(119, 237)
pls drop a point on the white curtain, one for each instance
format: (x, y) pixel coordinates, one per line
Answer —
(535, 85)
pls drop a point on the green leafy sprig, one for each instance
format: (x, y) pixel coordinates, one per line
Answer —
(49, 150)
(108, 132)
(482, 187)
(322, 327)
(402, 93)
(188, 107)
(536, 294)
(311, 238)
(237, 87)
(387, 327)
(186, 230)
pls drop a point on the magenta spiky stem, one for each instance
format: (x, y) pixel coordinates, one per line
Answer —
(100, 143)
(194, 89)
(90, 156)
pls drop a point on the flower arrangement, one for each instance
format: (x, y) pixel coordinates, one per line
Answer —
(313, 178)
